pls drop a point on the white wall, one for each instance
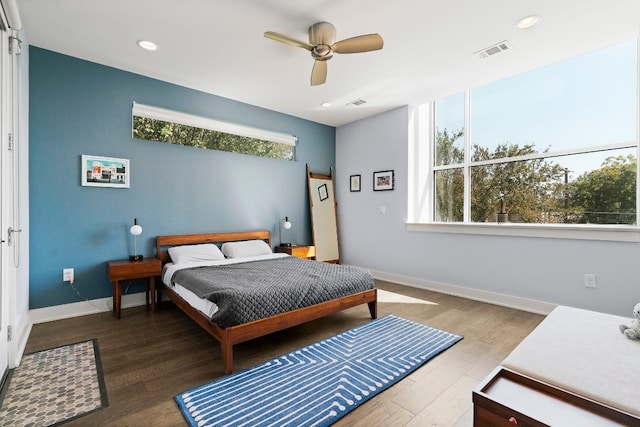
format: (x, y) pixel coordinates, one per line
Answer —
(530, 270)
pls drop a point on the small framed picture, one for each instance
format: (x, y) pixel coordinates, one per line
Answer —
(383, 180)
(99, 171)
(354, 183)
(322, 192)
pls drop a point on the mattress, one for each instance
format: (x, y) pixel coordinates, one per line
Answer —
(203, 305)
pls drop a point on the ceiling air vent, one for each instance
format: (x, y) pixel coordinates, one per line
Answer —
(492, 50)
(357, 102)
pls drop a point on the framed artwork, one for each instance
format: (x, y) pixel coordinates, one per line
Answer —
(99, 171)
(354, 183)
(383, 180)
(322, 192)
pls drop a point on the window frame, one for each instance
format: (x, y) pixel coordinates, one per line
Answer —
(199, 122)
(419, 184)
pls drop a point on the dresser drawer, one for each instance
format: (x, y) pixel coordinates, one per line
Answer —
(506, 395)
(488, 413)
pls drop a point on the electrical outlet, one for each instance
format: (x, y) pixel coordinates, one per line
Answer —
(67, 275)
(590, 281)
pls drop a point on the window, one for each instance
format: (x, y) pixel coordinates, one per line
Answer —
(556, 145)
(157, 124)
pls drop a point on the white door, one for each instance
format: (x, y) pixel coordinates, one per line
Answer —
(5, 207)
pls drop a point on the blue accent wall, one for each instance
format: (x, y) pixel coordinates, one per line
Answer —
(79, 107)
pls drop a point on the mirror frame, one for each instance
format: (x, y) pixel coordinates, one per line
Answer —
(323, 210)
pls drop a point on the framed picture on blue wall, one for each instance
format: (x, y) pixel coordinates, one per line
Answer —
(97, 171)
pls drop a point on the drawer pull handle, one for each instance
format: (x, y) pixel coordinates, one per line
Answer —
(513, 420)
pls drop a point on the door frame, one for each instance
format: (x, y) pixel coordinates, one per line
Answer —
(9, 145)
(5, 204)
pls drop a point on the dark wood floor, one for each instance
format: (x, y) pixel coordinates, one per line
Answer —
(148, 358)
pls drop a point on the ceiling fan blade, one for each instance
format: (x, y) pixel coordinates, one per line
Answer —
(319, 73)
(287, 40)
(359, 44)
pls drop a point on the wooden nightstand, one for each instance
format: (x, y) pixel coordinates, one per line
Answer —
(124, 270)
(301, 251)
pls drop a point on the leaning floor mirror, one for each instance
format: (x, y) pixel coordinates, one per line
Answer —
(324, 218)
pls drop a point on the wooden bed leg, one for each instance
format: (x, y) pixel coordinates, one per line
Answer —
(226, 348)
(373, 309)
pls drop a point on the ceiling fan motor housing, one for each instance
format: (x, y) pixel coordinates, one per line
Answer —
(322, 33)
(321, 36)
(322, 52)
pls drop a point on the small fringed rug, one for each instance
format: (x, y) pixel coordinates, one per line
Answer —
(54, 386)
(320, 383)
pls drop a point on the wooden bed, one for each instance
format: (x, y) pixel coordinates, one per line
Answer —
(228, 337)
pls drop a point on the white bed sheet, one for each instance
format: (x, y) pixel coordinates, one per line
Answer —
(202, 304)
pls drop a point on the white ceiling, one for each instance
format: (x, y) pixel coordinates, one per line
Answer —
(217, 46)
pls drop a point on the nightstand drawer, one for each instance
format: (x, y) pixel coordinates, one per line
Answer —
(129, 270)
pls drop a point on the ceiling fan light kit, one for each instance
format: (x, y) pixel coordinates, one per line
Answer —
(322, 45)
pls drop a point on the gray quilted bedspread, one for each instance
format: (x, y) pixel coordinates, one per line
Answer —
(254, 290)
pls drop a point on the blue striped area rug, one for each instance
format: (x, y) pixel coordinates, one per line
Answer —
(318, 384)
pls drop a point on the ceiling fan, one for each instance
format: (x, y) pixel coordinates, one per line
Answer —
(322, 45)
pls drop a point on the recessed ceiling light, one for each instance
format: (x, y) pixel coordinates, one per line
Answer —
(528, 22)
(326, 105)
(147, 45)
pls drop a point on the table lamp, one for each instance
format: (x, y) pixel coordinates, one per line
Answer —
(284, 225)
(135, 230)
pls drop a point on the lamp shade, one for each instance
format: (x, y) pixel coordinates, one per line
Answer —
(136, 230)
(286, 224)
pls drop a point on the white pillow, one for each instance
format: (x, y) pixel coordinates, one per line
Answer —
(195, 253)
(245, 248)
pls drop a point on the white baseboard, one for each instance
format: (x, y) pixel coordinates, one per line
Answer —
(48, 314)
(65, 311)
(524, 304)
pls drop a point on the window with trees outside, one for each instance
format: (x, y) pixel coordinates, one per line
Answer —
(161, 125)
(556, 145)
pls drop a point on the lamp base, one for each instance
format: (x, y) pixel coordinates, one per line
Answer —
(135, 257)
(285, 245)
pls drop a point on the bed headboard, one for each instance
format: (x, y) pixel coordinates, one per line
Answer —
(165, 242)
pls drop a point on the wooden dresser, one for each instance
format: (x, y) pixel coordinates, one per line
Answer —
(507, 398)
(574, 369)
